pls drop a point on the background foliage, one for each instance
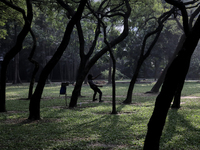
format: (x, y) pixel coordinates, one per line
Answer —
(49, 24)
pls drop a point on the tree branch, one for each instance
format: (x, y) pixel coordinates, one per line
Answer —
(181, 6)
(78, 25)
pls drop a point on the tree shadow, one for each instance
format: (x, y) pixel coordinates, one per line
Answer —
(173, 134)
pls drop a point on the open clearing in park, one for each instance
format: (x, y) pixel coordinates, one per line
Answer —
(91, 126)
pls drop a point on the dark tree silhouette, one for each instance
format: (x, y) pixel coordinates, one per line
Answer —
(174, 79)
(16, 49)
(16, 78)
(144, 55)
(36, 65)
(112, 58)
(114, 111)
(34, 107)
(86, 61)
(156, 87)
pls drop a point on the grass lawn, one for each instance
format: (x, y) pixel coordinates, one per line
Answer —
(91, 126)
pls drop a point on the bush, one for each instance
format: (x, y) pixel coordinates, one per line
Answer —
(118, 75)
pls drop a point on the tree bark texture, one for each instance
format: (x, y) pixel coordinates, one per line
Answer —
(16, 70)
(18, 46)
(36, 65)
(110, 71)
(128, 99)
(114, 110)
(34, 106)
(16, 77)
(175, 76)
(142, 58)
(92, 61)
(156, 87)
(177, 97)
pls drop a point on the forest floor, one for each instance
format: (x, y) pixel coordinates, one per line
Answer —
(91, 125)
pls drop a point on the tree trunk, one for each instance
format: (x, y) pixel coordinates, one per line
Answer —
(76, 91)
(92, 61)
(36, 65)
(156, 87)
(128, 99)
(18, 46)
(3, 86)
(16, 70)
(110, 71)
(114, 110)
(34, 106)
(177, 97)
(175, 76)
(142, 58)
(32, 82)
(112, 58)
(163, 101)
(16, 78)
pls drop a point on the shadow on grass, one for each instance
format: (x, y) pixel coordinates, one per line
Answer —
(99, 130)
(179, 133)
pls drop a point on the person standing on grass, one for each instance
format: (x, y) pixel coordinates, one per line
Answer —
(94, 87)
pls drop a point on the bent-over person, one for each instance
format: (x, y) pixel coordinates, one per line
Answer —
(94, 87)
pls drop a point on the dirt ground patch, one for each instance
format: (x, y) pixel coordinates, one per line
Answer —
(189, 97)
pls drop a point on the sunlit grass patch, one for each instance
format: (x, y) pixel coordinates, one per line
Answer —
(91, 125)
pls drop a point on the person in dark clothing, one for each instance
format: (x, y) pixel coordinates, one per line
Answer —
(94, 87)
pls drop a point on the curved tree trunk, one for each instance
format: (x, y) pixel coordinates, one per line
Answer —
(114, 111)
(18, 46)
(163, 101)
(16, 78)
(156, 87)
(36, 65)
(128, 99)
(177, 97)
(32, 82)
(16, 70)
(77, 89)
(175, 76)
(110, 71)
(143, 56)
(92, 61)
(34, 106)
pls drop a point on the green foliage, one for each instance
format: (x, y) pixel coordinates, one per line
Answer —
(91, 126)
(50, 21)
(118, 75)
(7, 14)
(3, 32)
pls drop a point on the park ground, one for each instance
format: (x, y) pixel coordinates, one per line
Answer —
(91, 125)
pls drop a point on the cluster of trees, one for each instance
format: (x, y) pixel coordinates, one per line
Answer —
(77, 37)
(48, 30)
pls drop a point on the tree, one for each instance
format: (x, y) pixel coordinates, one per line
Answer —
(36, 65)
(177, 95)
(174, 78)
(144, 55)
(34, 106)
(105, 11)
(16, 62)
(18, 46)
(156, 87)
(114, 111)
